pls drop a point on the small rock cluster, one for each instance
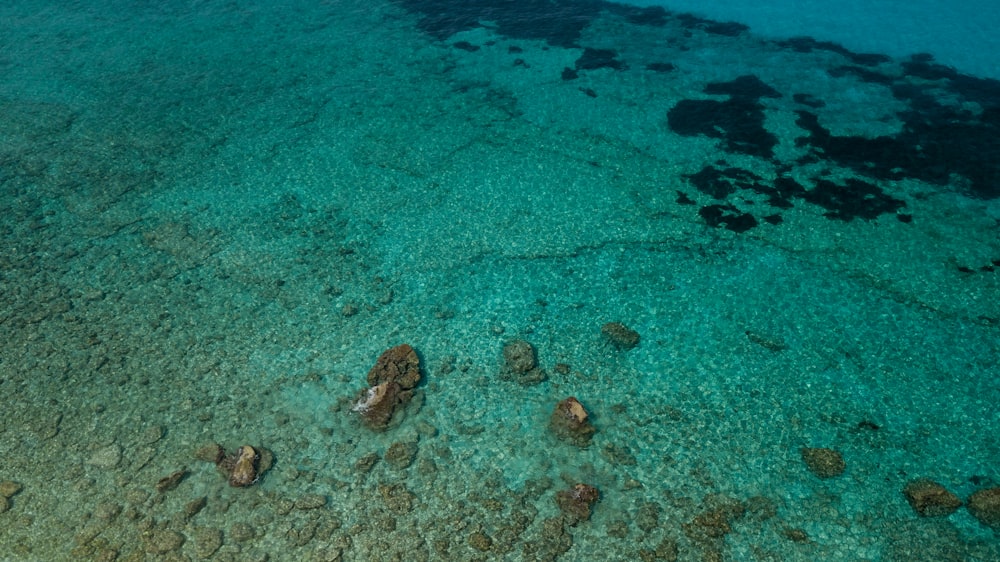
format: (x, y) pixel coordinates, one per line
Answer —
(931, 499)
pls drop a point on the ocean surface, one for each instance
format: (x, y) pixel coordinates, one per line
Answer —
(759, 247)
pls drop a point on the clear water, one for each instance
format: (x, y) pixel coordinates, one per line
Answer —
(217, 215)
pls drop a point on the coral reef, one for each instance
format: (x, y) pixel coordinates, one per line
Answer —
(571, 422)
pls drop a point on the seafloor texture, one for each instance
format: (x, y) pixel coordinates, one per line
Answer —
(768, 271)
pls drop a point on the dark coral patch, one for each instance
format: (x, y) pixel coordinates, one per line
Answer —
(855, 199)
(653, 16)
(721, 183)
(747, 86)
(808, 45)
(809, 100)
(739, 121)
(852, 199)
(727, 29)
(661, 67)
(558, 24)
(592, 59)
(466, 46)
(728, 215)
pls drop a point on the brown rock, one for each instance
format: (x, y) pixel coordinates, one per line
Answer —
(170, 482)
(390, 381)
(310, 501)
(163, 541)
(399, 364)
(212, 453)
(715, 521)
(245, 469)
(984, 505)
(207, 540)
(571, 422)
(519, 356)
(242, 468)
(400, 455)
(577, 502)
(825, 463)
(376, 404)
(480, 541)
(8, 488)
(795, 535)
(930, 499)
(520, 364)
(195, 506)
(620, 335)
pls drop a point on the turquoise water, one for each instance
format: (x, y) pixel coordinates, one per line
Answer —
(216, 216)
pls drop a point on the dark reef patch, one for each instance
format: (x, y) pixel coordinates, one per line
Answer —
(661, 67)
(727, 29)
(808, 45)
(855, 199)
(845, 202)
(728, 215)
(721, 183)
(950, 122)
(558, 23)
(593, 59)
(738, 121)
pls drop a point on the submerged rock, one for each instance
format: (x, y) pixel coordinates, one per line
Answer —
(620, 335)
(577, 502)
(571, 422)
(930, 499)
(520, 363)
(825, 463)
(984, 505)
(519, 356)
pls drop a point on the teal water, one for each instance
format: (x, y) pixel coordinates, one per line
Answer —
(217, 215)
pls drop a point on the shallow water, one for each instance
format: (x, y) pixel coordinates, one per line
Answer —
(216, 216)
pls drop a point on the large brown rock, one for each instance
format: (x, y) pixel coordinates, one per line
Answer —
(825, 463)
(985, 506)
(244, 466)
(571, 422)
(399, 364)
(930, 499)
(376, 404)
(391, 381)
